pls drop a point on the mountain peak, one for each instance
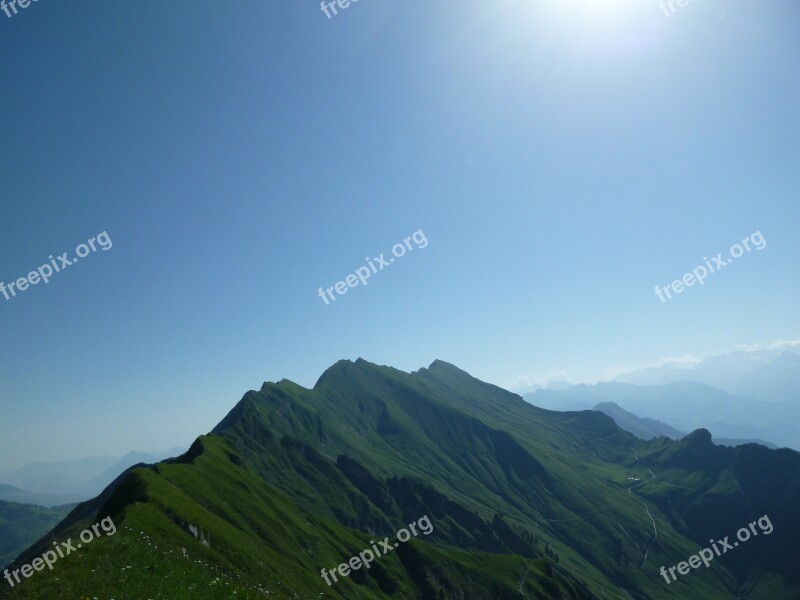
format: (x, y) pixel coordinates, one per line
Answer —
(346, 369)
(699, 437)
(337, 369)
(440, 364)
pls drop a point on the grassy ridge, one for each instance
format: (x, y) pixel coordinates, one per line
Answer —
(525, 503)
(259, 546)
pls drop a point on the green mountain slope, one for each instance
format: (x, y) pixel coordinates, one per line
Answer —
(524, 502)
(23, 524)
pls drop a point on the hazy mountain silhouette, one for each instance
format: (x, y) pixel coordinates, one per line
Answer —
(686, 406)
(770, 375)
(776, 381)
(82, 478)
(643, 428)
(648, 429)
(9, 493)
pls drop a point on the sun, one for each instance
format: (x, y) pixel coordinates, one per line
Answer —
(599, 11)
(598, 26)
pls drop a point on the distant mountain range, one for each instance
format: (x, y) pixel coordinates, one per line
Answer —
(686, 406)
(9, 493)
(648, 429)
(776, 381)
(553, 384)
(524, 502)
(643, 428)
(766, 375)
(75, 479)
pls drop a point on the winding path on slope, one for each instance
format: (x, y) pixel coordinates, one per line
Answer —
(646, 508)
(655, 534)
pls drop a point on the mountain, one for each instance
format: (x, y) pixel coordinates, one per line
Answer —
(83, 478)
(9, 493)
(522, 502)
(770, 375)
(60, 477)
(726, 371)
(648, 429)
(642, 428)
(776, 381)
(553, 384)
(686, 406)
(559, 402)
(23, 524)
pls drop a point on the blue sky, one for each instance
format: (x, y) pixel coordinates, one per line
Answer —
(561, 158)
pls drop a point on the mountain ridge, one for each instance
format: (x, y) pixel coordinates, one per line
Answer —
(520, 498)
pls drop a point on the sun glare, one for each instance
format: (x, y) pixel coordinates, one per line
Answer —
(599, 25)
(602, 11)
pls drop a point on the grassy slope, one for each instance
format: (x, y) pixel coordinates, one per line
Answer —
(525, 502)
(23, 524)
(259, 542)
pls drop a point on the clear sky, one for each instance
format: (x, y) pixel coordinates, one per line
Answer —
(562, 159)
